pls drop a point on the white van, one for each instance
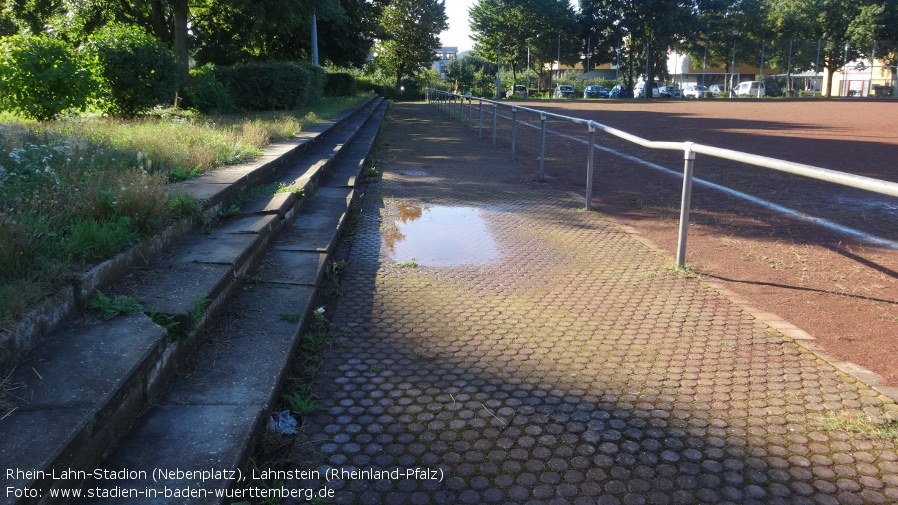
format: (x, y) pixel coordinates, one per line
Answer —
(750, 88)
(639, 90)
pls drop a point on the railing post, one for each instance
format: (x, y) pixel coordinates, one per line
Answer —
(689, 156)
(590, 164)
(480, 132)
(542, 148)
(461, 109)
(495, 120)
(514, 128)
(470, 113)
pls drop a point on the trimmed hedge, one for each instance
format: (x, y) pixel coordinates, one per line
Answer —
(273, 85)
(136, 72)
(206, 94)
(340, 84)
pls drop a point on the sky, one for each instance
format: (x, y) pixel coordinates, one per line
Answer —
(459, 33)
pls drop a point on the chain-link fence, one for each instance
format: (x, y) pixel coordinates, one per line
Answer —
(791, 67)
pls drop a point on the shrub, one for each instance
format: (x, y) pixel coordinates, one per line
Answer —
(368, 84)
(315, 87)
(273, 85)
(206, 94)
(136, 72)
(340, 84)
(41, 77)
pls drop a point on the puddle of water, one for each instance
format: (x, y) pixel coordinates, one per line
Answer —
(440, 236)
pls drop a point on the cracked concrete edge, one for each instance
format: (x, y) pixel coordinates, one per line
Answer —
(789, 331)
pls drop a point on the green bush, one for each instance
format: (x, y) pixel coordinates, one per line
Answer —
(136, 72)
(41, 77)
(368, 84)
(315, 87)
(340, 84)
(206, 94)
(273, 85)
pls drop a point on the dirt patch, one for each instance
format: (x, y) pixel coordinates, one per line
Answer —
(837, 287)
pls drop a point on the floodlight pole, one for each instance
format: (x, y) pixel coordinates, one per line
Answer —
(314, 39)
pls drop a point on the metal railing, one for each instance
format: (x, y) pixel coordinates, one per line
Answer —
(455, 104)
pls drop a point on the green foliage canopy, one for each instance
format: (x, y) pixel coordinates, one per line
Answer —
(508, 29)
(412, 29)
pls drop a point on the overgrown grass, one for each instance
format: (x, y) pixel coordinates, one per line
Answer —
(81, 189)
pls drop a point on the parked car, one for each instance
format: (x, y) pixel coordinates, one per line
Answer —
(517, 90)
(565, 91)
(639, 90)
(750, 88)
(717, 89)
(618, 91)
(670, 91)
(595, 92)
(694, 91)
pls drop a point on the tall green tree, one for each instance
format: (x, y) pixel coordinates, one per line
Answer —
(412, 28)
(510, 29)
(727, 32)
(874, 33)
(648, 27)
(348, 39)
(239, 31)
(828, 21)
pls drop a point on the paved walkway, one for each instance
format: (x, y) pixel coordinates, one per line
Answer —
(549, 357)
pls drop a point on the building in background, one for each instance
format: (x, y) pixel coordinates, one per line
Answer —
(444, 56)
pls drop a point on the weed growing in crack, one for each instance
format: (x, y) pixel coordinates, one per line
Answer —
(166, 321)
(370, 171)
(253, 279)
(407, 264)
(284, 188)
(861, 425)
(302, 401)
(231, 211)
(334, 274)
(176, 331)
(107, 308)
(350, 227)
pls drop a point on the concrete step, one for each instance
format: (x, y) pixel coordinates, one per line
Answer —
(213, 188)
(85, 383)
(210, 418)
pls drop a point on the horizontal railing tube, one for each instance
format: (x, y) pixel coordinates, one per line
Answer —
(689, 149)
